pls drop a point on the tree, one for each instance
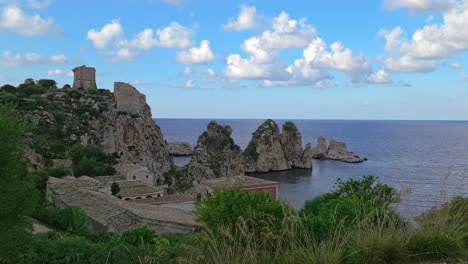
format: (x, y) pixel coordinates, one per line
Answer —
(115, 188)
(17, 194)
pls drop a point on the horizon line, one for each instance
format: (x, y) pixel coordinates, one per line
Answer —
(308, 119)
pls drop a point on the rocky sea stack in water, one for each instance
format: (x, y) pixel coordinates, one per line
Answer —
(336, 151)
(216, 155)
(180, 149)
(291, 140)
(271, 151)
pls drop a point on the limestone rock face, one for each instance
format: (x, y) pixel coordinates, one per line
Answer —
(129, 132)
(320, 151)
(265, 152)
(216, 155)
(291, 141)
(338, 151)
(180, 148)
(129, 100)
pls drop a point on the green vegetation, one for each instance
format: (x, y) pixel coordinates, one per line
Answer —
(90, 161)
(182, 182)
(250, 153)
(290, 126)
(17, 193)
(225, 207)
(115, 188)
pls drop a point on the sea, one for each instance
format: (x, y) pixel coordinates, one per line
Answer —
(426, 161)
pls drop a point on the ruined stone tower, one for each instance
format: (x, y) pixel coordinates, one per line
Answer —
(84, 78)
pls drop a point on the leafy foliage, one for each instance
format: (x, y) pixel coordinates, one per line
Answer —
(115, 188)
(226, 206)
(352, 201)
(90, 161)
(17, 194)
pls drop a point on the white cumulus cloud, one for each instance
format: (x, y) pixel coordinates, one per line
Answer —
(106, 35)
(245, 20)
(201, 55)
(312, 68)
(13, 19)
(175, 36)
(430, 44)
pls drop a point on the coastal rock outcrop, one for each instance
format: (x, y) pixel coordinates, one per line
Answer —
(320, 151)
(180, 149)
(291, 141)
(215, 155)
(130, 132)
(265, 152)
(337, 150)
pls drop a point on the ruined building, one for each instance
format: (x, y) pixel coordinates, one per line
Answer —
(84, 78)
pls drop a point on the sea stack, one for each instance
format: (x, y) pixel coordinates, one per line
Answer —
(216, 155)
(337, 150)
(291, 141)
(180, 149)
(265, 152)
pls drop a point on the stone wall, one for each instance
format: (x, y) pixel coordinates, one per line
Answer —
(84, 78)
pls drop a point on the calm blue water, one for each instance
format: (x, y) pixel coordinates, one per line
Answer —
(426, 160)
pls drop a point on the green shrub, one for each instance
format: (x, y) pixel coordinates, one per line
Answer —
(47, 83)
(138, 236)
(115, 188)
(7, 88)
(58, 172)
(91, 161)
(226, 206)
(18, 197)
(71, 219)
(353, 201)
(26, 90)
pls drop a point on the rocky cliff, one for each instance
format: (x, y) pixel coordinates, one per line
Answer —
(129, 130)
(84, 125)
(337, 150)
(265, 152)
(291, 141)
(215, 155)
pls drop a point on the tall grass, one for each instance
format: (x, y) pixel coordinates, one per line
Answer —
(441, 234)
(292, 243)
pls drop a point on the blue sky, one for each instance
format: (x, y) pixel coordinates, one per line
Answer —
(388, 59)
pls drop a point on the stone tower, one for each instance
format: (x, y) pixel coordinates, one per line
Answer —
(84, 78)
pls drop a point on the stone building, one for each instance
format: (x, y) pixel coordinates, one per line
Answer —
(84, 78)
(109, 213)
